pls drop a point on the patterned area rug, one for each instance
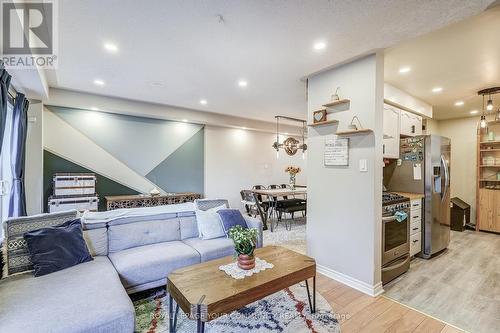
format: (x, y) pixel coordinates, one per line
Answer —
(285, 311)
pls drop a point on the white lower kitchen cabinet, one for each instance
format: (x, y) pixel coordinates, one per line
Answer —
(391, 131)
(415, 226)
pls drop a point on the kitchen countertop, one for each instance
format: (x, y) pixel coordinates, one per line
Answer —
(412, 196)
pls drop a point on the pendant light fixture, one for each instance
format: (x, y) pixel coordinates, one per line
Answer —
(290, 145)
(482, 126)
(489, 105)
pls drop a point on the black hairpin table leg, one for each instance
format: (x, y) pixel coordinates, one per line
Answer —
(312, 305)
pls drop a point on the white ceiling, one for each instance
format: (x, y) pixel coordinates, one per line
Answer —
(183, 46)
(461, 58)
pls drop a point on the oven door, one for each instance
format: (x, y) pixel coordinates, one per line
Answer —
(395, 238)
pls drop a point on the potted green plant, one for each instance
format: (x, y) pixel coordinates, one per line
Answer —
(245, 241)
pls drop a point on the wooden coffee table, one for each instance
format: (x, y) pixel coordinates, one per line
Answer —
(205, 293)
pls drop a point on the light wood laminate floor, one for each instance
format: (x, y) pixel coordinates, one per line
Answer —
(461, 286)
(358, 312)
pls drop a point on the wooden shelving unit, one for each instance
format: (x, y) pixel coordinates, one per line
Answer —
(355, 132)
(488, 185)
(323, 123)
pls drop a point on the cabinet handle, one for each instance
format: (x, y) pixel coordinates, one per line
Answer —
(415, 229)
(415, 241)
(383, 149)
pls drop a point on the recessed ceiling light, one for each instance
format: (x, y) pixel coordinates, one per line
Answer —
(94, 108)
(110, 47)
(459, 103)
(156, 84)
(242, 83)
(437, 90)
(474, 112)
(185, 120)
(318, 46)
(404, 70)
(203, 102)
(98, 82)
(243, 128)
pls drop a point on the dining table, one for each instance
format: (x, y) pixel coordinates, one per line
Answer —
(274, 194)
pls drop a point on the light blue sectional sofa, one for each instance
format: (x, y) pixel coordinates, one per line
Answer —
(130, 254)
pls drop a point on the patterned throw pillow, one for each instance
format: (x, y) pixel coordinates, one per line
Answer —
(16, 256)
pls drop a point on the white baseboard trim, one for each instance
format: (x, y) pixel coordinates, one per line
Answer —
(371, 290)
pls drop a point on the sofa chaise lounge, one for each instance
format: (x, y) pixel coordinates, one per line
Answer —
(131, 253)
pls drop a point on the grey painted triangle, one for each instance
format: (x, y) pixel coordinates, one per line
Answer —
(183, 170)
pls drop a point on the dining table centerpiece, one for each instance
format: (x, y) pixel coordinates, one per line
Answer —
(292, 171)
(245, 242)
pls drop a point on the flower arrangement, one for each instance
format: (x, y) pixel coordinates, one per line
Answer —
(245, 241)
(292, 170)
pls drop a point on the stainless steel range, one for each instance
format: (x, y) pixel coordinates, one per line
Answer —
(395, 236)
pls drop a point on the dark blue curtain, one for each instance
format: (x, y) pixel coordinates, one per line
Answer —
(17, 201)
(4, 95)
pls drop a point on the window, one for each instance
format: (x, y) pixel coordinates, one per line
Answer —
(5, 167)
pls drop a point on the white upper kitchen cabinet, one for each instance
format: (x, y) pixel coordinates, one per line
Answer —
(411, 124)
(391, 131)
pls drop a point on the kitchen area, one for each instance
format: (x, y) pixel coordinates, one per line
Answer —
(441, 174)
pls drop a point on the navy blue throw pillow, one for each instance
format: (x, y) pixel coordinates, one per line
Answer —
(55, 248)
(231, 218)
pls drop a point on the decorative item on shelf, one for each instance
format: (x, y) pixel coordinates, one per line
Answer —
(292, 171)
(497, 116)
(336, 95)
(319, 116)
(498, 175)
(289, 145)
(352, 126)
(154, 192)
(245, 241)
(491, 136)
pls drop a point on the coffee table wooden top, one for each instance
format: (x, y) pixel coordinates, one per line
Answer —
(217, 293)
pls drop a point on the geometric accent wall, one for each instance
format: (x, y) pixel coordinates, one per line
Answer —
(55, 164)
(136, 152)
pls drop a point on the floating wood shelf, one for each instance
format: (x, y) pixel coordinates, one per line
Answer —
(355, 132)
(487, 150)
(339, 102)
(490, 180)
(489, 142)
(337, 106)
(323, 123)
(489, 166)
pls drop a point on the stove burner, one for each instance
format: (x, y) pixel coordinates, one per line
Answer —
(389, 198)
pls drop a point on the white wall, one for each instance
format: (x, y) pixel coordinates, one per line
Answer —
(462, 133)
(237, 159)
(344, 204)
(34, 159)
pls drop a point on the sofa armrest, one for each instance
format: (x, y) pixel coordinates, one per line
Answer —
(253, 222)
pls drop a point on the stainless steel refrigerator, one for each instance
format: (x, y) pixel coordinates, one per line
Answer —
(424, 167)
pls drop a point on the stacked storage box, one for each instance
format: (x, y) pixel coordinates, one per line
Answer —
(73, 191)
